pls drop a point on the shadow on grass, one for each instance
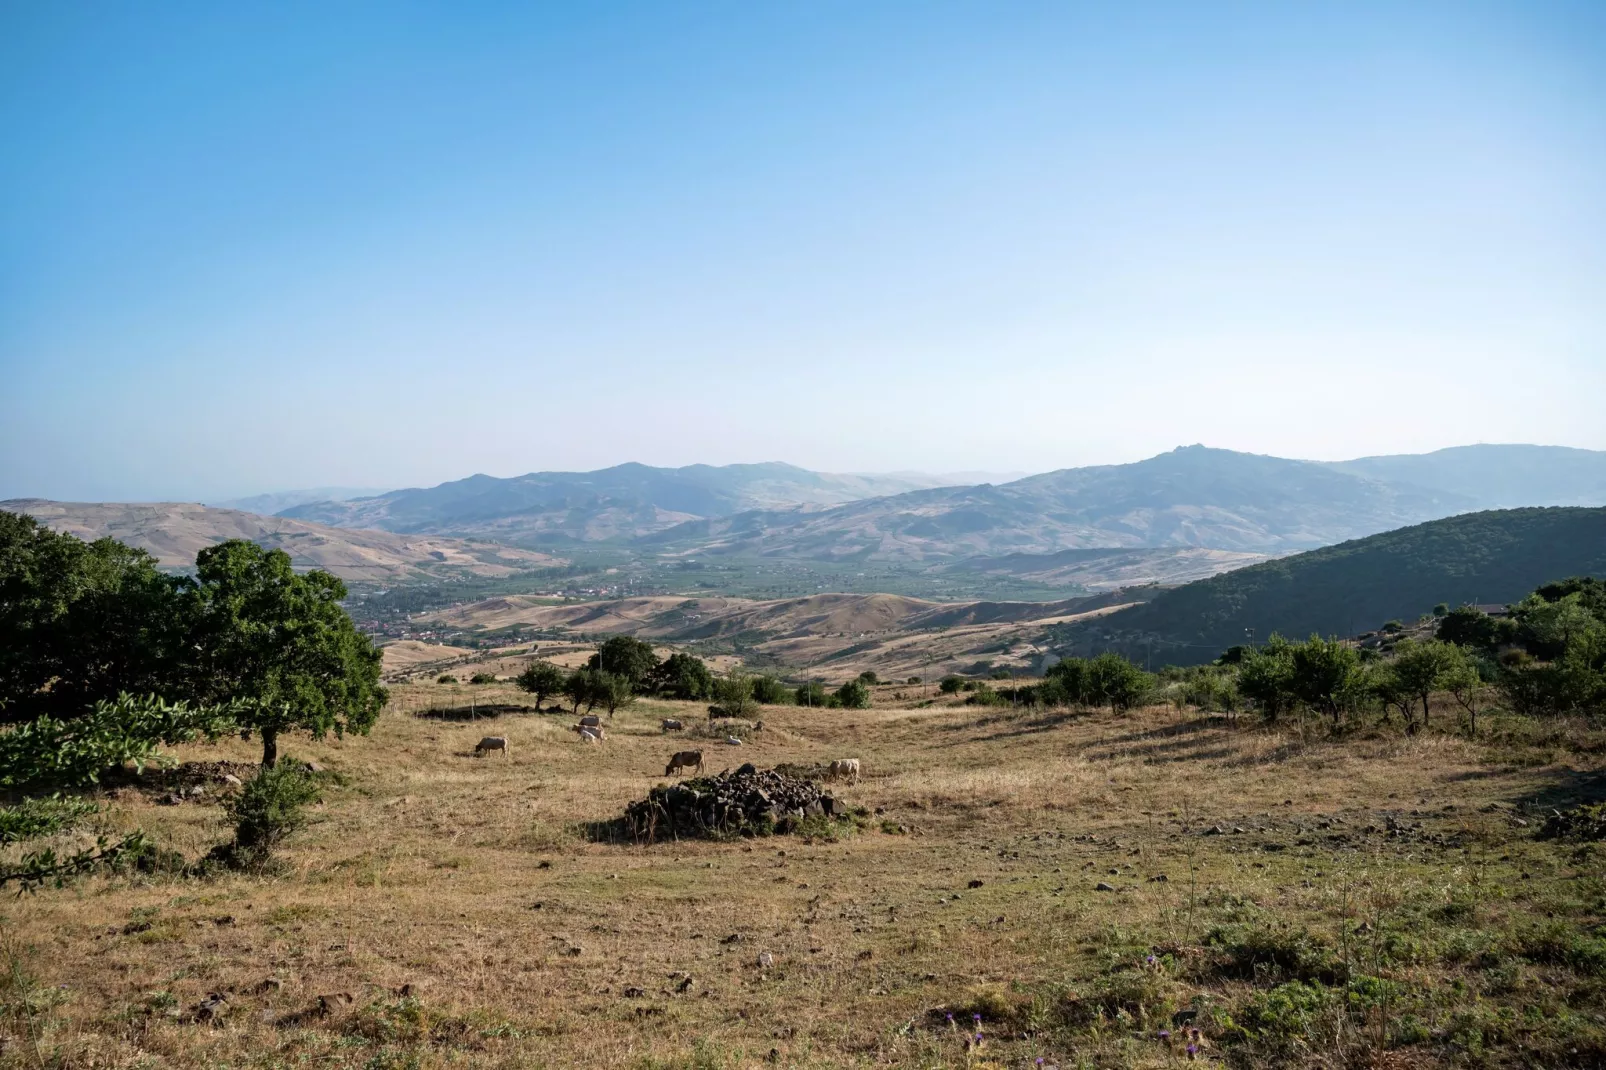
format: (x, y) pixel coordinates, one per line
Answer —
(476, 712)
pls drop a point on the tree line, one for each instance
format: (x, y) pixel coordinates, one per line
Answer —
(84, 625)
(624, 667)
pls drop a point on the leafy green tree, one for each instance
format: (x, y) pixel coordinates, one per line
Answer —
(279, 646)
(811, 694)
(1545, 627)
(1421, 668)
(1112, 680)
(769, 691)
(629, 657)
(1326, 675)
(1052, 692)
(1469, 626)
(82, 622)
(869, 677)
(541, 679)
(853, 695)
(1072, 674)
(950, 684)
(686, 677)
(612, 691)
(733, 695)
(580, 686)
(1266, 678)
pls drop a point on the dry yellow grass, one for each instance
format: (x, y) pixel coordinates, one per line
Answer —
(525, 945)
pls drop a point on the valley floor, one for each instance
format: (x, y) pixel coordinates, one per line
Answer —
(1075, 879)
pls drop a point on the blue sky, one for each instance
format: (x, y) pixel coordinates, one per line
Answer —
(256, 247)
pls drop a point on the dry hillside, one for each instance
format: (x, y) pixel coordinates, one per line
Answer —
(174, 532)
(834, 635)
(1075, 879)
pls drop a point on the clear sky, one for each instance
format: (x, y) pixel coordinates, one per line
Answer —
(250, 247)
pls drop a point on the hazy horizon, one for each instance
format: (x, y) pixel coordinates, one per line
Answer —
(248, 250)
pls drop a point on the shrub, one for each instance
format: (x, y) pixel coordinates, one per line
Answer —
(950, 684)
(853, 695)
(868, 676)
(270, 807)
(912, 680)
(446, 678)
(769, 691)
(811, 694)
(483, 678)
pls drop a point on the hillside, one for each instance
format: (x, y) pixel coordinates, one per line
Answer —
(1487, 557)
(1497, 477)
(175, 531)
(613, 503)
(1191, 497)
(835, 634)
(1104, 569)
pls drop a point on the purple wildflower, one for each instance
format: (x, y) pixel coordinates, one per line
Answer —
(1193, 1049)
(1164, 1034)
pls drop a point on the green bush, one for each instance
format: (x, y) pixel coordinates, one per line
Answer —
(868, 676)
(74, 753)
(950, 684)
(446, 678)
(483, 678)
(270, 807)
(811, 694)
(853, 695)
(769, 691)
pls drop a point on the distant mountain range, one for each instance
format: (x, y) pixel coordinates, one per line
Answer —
(278, 501)
(174, 532)
(1485, 557)
(619, 503)
(1191, 497)
(1497, 477)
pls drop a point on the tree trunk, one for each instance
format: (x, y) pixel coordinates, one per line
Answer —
(270, 747)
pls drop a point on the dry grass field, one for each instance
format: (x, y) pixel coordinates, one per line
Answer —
(447, 910)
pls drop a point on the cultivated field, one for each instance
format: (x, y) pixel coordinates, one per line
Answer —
(450, 912)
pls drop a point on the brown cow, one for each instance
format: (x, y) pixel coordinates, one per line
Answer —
(490, 743)
(684, 759)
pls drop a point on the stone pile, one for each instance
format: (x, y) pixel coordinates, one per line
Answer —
(748, 802)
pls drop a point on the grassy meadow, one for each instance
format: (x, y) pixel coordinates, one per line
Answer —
(1090, 885)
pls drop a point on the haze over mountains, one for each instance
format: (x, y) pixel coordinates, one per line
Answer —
(174, 532)
(1191, 497)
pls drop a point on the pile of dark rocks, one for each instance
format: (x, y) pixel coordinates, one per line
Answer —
(748, 802)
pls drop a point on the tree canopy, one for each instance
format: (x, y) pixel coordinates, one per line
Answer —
(279, 645)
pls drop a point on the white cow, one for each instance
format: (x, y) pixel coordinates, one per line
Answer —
(490, 743)
(845, 769)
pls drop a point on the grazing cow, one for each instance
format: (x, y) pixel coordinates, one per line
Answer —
(590, 720)
(490, 743)
(684, 759)
(845, 769)
(669, 724)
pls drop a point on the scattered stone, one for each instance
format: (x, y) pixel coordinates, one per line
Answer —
(334, 1002)
(232, 781)
(226, 919)
(1158, 878)
(974, 884)
(732, 741)
(633, 992)
(1103, 887)
(408, 990)
(1184, 1017)
(211, 1008)
(733, 938)
(765, 960)
(685, 985)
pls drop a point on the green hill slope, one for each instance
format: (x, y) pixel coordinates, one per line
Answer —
(1489, 557)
